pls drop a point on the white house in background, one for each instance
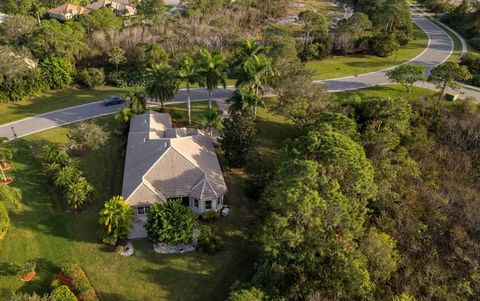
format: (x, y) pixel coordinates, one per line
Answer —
(120, 7)
(3, 17)
(67, 11)
(165, 163)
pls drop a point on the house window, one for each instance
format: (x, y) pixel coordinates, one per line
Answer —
(208, 205)
(195, 203)
(142, 210)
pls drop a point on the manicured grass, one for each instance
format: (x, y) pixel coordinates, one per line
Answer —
(198, 110)
(338, 66)
(54, 101)
(392, 91)
(44, 232)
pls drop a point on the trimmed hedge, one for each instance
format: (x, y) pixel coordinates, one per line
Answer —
(79, 283)
(62, 293)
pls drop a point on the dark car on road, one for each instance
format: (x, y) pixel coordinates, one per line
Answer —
(113, 100)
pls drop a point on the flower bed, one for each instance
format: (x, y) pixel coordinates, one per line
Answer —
(75, 278)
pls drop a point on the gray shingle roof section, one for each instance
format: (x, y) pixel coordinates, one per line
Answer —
(163, 162)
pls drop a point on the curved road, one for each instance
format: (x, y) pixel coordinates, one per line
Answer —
(439, 49)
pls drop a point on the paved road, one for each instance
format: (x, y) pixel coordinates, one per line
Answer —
(439, 49)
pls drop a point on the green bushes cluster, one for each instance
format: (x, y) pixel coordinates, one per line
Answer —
(28, 84)
(65, 174)
(62, 293)
(209, 242)
(91, 77)
(82, 287)
(210, 216)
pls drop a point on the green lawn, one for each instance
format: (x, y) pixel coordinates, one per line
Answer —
(43, 232)
(392, 91)
(54, 101)
(339, 66)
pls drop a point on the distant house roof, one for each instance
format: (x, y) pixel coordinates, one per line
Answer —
(117, 5)
(3, 17)
(164, 162)
(68, 8)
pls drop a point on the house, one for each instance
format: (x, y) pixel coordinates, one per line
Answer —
(120, 7)
(67, 11)
(3, 17)
(165, 163)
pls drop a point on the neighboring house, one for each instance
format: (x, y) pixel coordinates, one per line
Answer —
(3, 17)
(165, 163)
(120, 7)
(67, 11)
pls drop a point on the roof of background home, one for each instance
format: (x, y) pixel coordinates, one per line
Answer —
(3, 17)
(68, 8)
(164, 162)
(116, 4)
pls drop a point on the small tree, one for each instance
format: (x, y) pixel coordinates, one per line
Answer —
(116, 216)
(57, 72)
(238, 139)
(116, 56)
(212, 120)
(77, 193)
(384, 45)
(447, 75)
(85, 136)
(170, 223)
(124, 115)
(407, 75)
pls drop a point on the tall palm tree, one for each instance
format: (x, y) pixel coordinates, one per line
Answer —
(137, 102)
(245, 50)
(256, 73)
(188, 73)
(244, 98)
(38, 10)
(5, 156)
(161, 83)
(212, 69)
(212, 120)
(116, 216)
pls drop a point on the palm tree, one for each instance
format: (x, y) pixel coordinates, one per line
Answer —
(187, 71)
(77, 193)
(257, 72)
(124, 115)
(161, 83)
(212, 69)
(38, 10)
(212, 120)
(245, 50)
(11, 195)
(243, 99)
(66, 176)
(116, 216)
(138, 102)
(5, 155)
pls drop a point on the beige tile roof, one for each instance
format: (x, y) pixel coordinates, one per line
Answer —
(162, 162)
(68, 8)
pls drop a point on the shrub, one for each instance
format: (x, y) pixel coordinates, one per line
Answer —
(4, 221)
(85, 136)
(27, 297)
(208, 242)
(82, 287)
(383, 45)
(62, 293)
(238, 139)
(57, 72)
(247, 294)
(475, 42)
(118, 78)
(210, 215)
(23, 86)
(91, 77)
(170, 223)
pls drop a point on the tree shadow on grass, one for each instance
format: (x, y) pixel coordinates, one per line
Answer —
(9, 269)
